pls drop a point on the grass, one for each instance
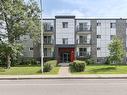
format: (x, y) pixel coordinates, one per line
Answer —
(54, 71)
(104, 69)
(29, 70)
(26, 70)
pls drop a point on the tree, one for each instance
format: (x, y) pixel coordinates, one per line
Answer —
(116, 50)
(7, 50)
(21, 18)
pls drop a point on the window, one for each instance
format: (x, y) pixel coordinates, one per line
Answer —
(83, 26)
(98, 24)
(47, 52)
(65, 24)
(126, 25)
(65, 40)
(98, 48)
(48, 27)
(98, 60)
(82, 51)
(47, 39)
(98, 36)
(112, 25)
(82, 39)
(31, 48)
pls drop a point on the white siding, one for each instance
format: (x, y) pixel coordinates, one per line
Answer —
(105, 31)
(65, 32)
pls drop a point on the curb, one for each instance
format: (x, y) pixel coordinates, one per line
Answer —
(28, 78)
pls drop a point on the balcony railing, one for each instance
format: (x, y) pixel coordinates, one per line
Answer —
(48, 30)
(85, 42)
(86, 28)
(48, 42)
(83, 55)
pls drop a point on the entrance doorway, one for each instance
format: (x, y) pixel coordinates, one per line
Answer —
(65, 57)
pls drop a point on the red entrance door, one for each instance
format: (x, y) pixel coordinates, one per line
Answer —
(66, 54)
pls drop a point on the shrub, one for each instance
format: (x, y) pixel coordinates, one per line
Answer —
(52, 62)
(108, 61)
(90, 61)
(47, 67)
(28, 62)
(48, 59)
(77, 66)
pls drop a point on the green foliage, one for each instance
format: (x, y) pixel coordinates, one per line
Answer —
(116, 50)
(108, 61)
(20, 18)
(77, 66)
(9, 49)
(47, 67)
(90, 61)
(28, 62)
(52, 62)
(48, 59)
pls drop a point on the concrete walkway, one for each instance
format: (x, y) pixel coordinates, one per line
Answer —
(64, 71)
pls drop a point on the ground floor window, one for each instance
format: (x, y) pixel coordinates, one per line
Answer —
(82, 51)
(47, 52)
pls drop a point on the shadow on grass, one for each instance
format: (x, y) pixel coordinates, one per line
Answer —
(104, 69)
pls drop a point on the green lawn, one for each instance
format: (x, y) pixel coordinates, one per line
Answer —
(26, 70)
(104, 69)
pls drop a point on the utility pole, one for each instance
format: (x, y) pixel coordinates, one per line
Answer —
(41, 37)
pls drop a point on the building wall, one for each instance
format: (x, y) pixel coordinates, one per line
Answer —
(94, 40)
(27, 43)
(3, 31)
(65, 32)
(105, 31)
(121, 33)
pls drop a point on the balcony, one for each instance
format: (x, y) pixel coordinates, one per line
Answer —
(85, 29)
(83, 55)
(48, 42)
(85, 42)
(48, 30)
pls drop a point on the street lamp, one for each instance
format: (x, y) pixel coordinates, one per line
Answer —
(41, 37)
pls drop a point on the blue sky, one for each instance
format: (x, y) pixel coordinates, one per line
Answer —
(85, 8)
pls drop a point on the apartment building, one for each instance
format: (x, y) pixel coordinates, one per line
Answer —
(67, 38)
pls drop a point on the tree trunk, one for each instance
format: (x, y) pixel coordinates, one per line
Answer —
(8, 61)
